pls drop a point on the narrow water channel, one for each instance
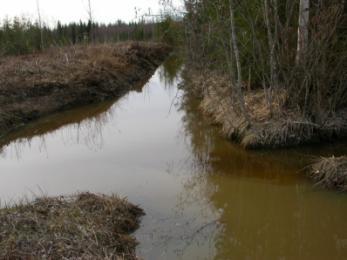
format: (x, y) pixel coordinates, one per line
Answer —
(204, 197)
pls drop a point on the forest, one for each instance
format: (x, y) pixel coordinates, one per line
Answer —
(284, 64)
(22, 35)
(273, 73)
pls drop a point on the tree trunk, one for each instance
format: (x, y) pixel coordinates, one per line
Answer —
(272, 45)
(235, 48)
(304, 17)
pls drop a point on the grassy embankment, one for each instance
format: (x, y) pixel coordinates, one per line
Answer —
(281, 129)
(271, 74)
(32, 86)
(84, 226)
(330, 172)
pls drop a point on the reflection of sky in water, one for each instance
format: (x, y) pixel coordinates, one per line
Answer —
(204, 197)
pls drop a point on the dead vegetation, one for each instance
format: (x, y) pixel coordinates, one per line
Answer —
(330, 173)
(84, 226)
(280, 127)
(35, 85)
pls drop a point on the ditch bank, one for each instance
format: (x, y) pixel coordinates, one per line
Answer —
(330, 172)
(32, 86)
(83, 226)
(281, 129)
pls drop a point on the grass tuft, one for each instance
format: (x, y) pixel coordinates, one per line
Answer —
(83, 226)
(330, 172)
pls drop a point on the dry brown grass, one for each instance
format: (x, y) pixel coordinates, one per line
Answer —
(84, 226)
(282, 128)
(32, 86)
(330, 172)
(69, 64)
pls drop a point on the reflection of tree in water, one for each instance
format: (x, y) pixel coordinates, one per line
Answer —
(80, 125)
(266, 208)
(194, 210)
(88, 132)
(214, 154)
(169, 74)
(191, 227)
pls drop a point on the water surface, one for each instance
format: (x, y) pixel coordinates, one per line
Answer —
(205, 198)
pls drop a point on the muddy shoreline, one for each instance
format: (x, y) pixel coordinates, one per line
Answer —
(33, 86)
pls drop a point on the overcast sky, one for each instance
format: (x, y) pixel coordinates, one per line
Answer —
(74, 10)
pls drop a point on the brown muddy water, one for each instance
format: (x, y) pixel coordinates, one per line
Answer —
(205, 198)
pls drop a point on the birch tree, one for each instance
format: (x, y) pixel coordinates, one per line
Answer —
(235, 49)
(272, 45)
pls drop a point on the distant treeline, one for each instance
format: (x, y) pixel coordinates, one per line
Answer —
(22, 36)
